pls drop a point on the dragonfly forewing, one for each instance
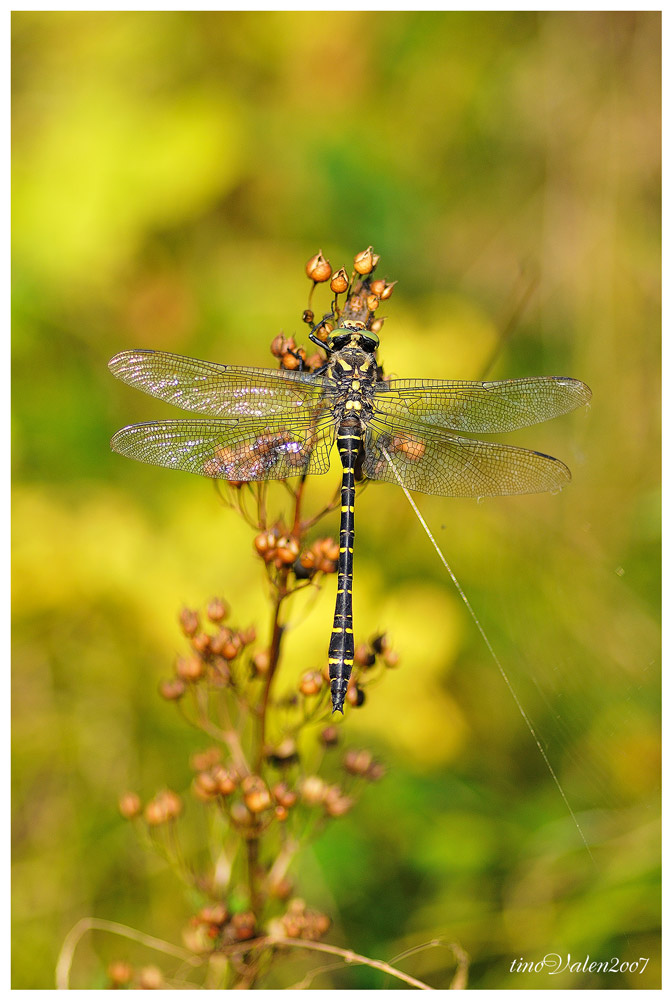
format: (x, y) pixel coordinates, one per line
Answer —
(218, 390)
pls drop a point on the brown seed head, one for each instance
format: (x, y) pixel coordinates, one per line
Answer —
(189, 622)
(281, 889)
(243, 925)
(377, 325)
(241, 815)
(284, 795)
(284, 753)
(391, 658)
(216, 913)
(377, 286)
(120, 973)
(278, 346)
(375, 772)
(172, 690)
(201, 644)
(261, 663)
(357, 762)
(329, 736)
(364, 655)
(247, 636)
(313, 790)
(130, 805)
(204, 759)
(364, 261)
(311, 683)
(155, 814)
(226, 779)
(372, 302)
(340, 281)
(255, 794)
(355, 696)
(336, 803)
(205, 786)
(151, 978)
(170, 802)
(380, 642)
(384, 295)
(329, 549)
(318, 269)
(189, 669)
(308, 316)
(218, 610)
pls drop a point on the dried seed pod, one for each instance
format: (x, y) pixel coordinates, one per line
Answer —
(216, 913)
(364, 261)
(386, 293)
(189, 669)
(329, 736)
(172, 690)
(284, 795)
(261, 663)
(130, 805)
(355, 696)
(120, 973)
(151, 978)
(357, 762)
(243, 925)
(318, 269)
(205, 786)
(311, 683)
(218, 610)
(256, 795)
(189, 622)
(313, 790)
(364, 656)
(201, 644)
(340, 281)
(283, 754)
(226, 780)
(336, 803)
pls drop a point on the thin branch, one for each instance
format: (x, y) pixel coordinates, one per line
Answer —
(348, 956)
(86, 924)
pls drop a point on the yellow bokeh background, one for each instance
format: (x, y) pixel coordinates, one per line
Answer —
(172, 172)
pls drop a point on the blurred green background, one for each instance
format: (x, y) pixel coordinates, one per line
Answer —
(173, 171)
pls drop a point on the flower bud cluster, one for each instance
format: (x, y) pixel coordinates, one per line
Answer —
(300, 922)
(212, 652)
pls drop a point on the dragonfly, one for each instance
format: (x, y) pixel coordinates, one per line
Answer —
(258, 425)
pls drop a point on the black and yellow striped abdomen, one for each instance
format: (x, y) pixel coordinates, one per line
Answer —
(342, 644)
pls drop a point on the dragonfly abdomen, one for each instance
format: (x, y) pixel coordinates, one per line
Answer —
(342, 644)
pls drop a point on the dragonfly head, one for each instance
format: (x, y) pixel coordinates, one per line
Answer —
(354, 334)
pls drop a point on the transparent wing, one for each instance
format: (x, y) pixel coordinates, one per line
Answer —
(451, 466)
(478, 407)
(218, 390)
(240, 451)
